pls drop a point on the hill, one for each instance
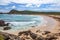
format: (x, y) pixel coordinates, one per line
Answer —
(30, 12)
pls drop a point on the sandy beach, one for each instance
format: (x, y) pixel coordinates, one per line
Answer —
(50, 24)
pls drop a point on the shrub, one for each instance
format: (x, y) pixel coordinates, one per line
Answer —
(1, 37)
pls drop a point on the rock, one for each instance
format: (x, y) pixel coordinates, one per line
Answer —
(38, 31)
(2, 23)
(40, 38)
(6, 28)
(8, 36)
(46, 32)
(32, 26)
(57, 34)
(7, 24)
(33, 35)
(24, 32)
(51, 37)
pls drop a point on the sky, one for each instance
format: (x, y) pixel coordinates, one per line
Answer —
(33, 5)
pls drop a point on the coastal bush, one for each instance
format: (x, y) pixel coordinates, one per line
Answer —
(1, 37)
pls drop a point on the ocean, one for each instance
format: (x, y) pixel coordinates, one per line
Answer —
(18, 22)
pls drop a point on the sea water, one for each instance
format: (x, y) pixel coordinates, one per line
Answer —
(18, 22)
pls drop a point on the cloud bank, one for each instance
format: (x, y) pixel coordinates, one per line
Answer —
(37, 5)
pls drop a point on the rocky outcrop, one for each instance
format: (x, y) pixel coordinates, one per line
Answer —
(46, 35)
(24, 32)
(2, 23)
(46, 32)
(6, 28)
(9, 36)
(33, 35)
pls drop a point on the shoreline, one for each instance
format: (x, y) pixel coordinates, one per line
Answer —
(43, 27)
(49, 32)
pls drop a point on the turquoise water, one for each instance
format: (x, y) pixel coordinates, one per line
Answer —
(21, 21)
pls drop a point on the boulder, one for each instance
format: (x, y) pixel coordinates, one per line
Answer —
(33, 35)
(40, 38)
(46, 32)
(24, 32)
(6, 28)
(2, 23)
(7, 24)
(51, 37)
(8, 36)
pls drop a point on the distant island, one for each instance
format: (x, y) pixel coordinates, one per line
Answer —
(30, 12)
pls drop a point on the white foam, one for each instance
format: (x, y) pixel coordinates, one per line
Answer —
(21, 23)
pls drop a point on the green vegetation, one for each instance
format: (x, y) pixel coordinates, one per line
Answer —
(32, 12)
(1, 37)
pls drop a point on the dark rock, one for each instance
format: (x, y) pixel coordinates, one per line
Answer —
(46, 32)
(2, 23)
(38, 31)
(7, 24)
(57, 34)
(33, 35)
(6, 28)
(22, 38)
(51, 37)
(8, 36)
(40, 38)
(32, 26)
(24, 32)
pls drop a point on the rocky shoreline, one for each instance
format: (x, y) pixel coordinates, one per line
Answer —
(7, 36)
(37, 34)
(42, 35)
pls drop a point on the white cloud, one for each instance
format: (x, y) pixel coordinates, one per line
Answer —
(4, 2)
(13, 7)
(28, 5)
(36, 2)
(33, 1)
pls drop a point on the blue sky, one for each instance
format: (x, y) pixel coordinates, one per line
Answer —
(34, 5)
